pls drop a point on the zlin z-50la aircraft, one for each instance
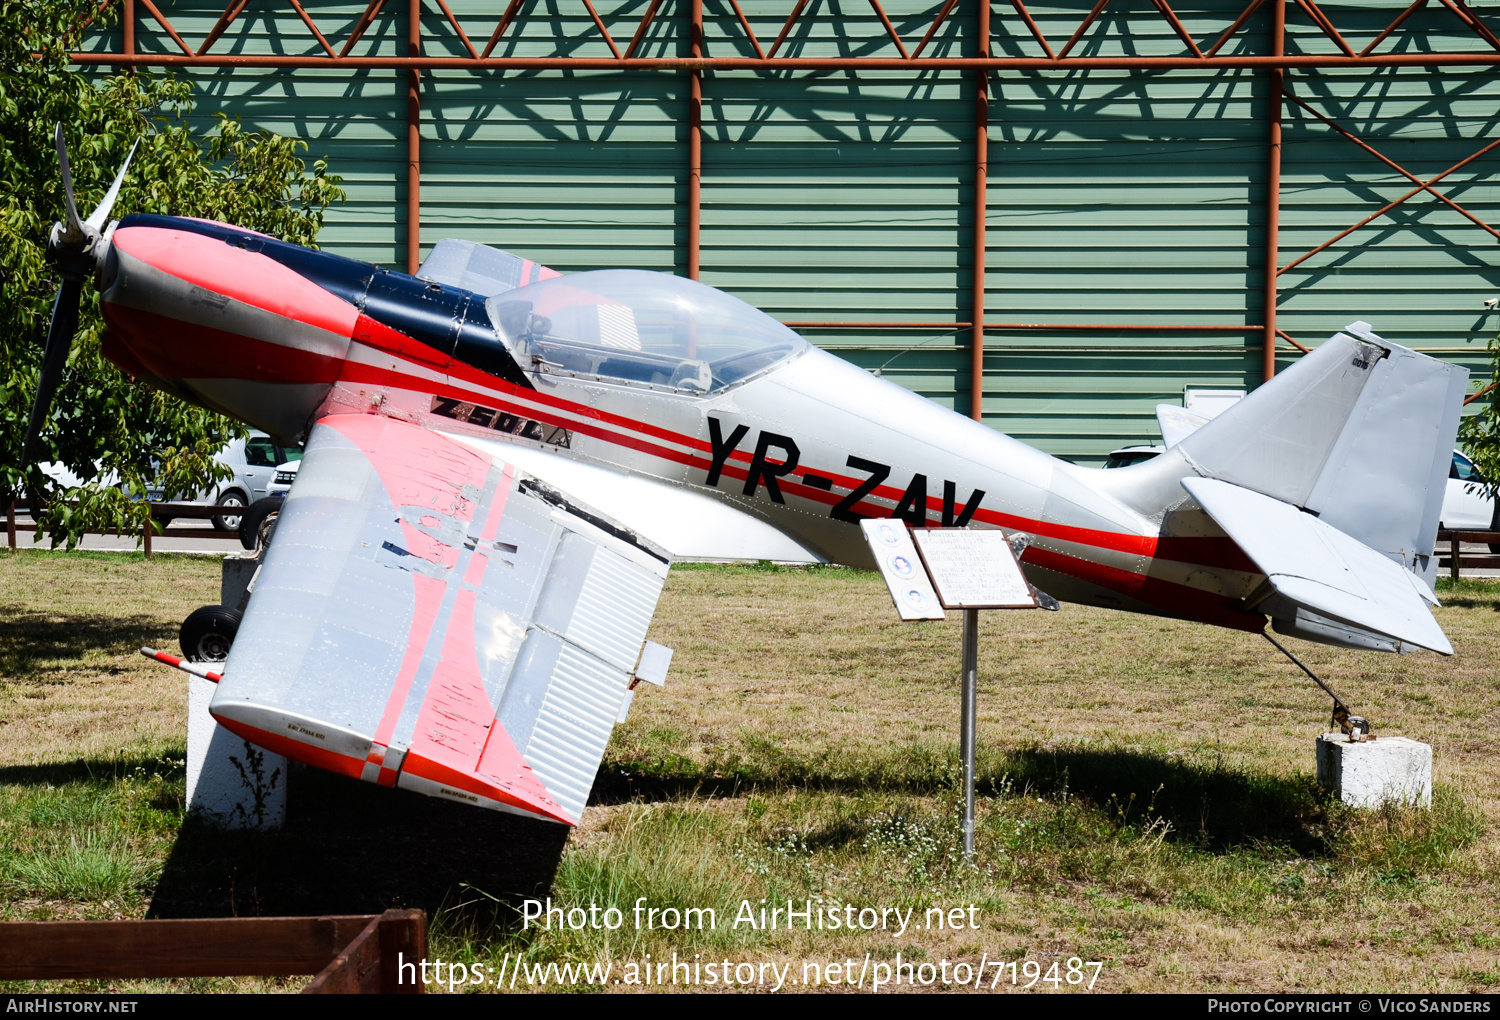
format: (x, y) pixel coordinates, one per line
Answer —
(502, 463)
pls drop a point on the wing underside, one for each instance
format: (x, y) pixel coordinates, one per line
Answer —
(433, 618)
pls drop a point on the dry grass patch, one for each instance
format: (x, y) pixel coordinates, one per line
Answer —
(73, 684)
(1146, 793)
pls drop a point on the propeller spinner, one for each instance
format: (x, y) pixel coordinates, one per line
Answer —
(76, 248)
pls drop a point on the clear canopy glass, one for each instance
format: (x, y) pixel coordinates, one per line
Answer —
(647, 329)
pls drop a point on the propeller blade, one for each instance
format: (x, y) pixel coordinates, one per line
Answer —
(99, 216)
(59, 340)
(72, 226)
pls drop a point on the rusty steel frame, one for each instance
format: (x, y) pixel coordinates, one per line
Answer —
(1270, 280)
(982, 65)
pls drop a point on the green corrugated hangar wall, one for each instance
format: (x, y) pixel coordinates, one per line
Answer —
(1115, 197)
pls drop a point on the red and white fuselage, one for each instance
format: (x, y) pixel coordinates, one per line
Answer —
(279, 336)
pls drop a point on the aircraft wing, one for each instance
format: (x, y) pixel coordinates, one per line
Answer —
(431, 617)
(687, 524)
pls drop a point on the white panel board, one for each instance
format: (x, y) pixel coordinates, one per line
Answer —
(973, 569)
(902, 569)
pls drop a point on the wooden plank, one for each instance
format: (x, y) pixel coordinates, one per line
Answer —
(355, 970)
(1469, 536)
(207, 947)
(225, 536)
(193, 511)
(1475, 560)
(403, 939)
(390, 944)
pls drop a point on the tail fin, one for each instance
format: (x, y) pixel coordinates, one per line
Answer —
(1359, 433)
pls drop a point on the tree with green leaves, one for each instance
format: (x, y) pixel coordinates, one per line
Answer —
(1479, 434)
(118, 435)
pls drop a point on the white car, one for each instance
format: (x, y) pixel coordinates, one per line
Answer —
(286, 474)
(254, 461)
(1466, 506)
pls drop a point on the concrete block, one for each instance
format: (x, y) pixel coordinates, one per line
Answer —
(1374, 772)
(230, 781)
(236, 576)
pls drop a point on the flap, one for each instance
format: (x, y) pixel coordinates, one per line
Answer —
(1317, 567)
(431, 617)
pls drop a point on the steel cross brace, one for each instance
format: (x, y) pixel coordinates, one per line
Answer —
(1421, 185)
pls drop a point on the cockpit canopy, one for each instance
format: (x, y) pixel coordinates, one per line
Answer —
(639, 328)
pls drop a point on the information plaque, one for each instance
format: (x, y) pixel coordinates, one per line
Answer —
(973, 569)
(901, 567)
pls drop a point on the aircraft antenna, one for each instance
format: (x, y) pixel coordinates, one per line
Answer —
(905, 350)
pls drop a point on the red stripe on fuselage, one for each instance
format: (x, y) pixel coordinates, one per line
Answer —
(1179, 600)
(1217, 552)
(374, 375)
(264, 283)
(173, 349)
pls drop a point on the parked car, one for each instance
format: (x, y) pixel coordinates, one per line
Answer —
(286, 474)
(1128, 455)
(254, 461)
(1466, 506)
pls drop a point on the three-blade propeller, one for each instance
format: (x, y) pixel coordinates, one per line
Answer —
(75, 248)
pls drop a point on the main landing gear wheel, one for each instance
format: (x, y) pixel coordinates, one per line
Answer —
(208, 633)
(259, 522)
(229, 522)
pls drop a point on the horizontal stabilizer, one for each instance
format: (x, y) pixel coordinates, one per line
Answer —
(1315, 568)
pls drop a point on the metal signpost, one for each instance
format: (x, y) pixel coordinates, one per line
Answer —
(928, 570)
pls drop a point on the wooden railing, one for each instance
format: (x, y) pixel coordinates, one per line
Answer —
(1457, 558)
(350, 953)
(159, 512)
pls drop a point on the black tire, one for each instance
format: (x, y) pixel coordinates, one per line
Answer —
(229, 522)
(208, 633)
(1495, 526)
(259, 521)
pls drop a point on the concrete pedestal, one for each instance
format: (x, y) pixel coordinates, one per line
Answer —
(236, 576)
(1386, 770)
(230, 781)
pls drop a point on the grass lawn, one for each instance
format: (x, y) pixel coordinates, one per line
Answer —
(1146, 800)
